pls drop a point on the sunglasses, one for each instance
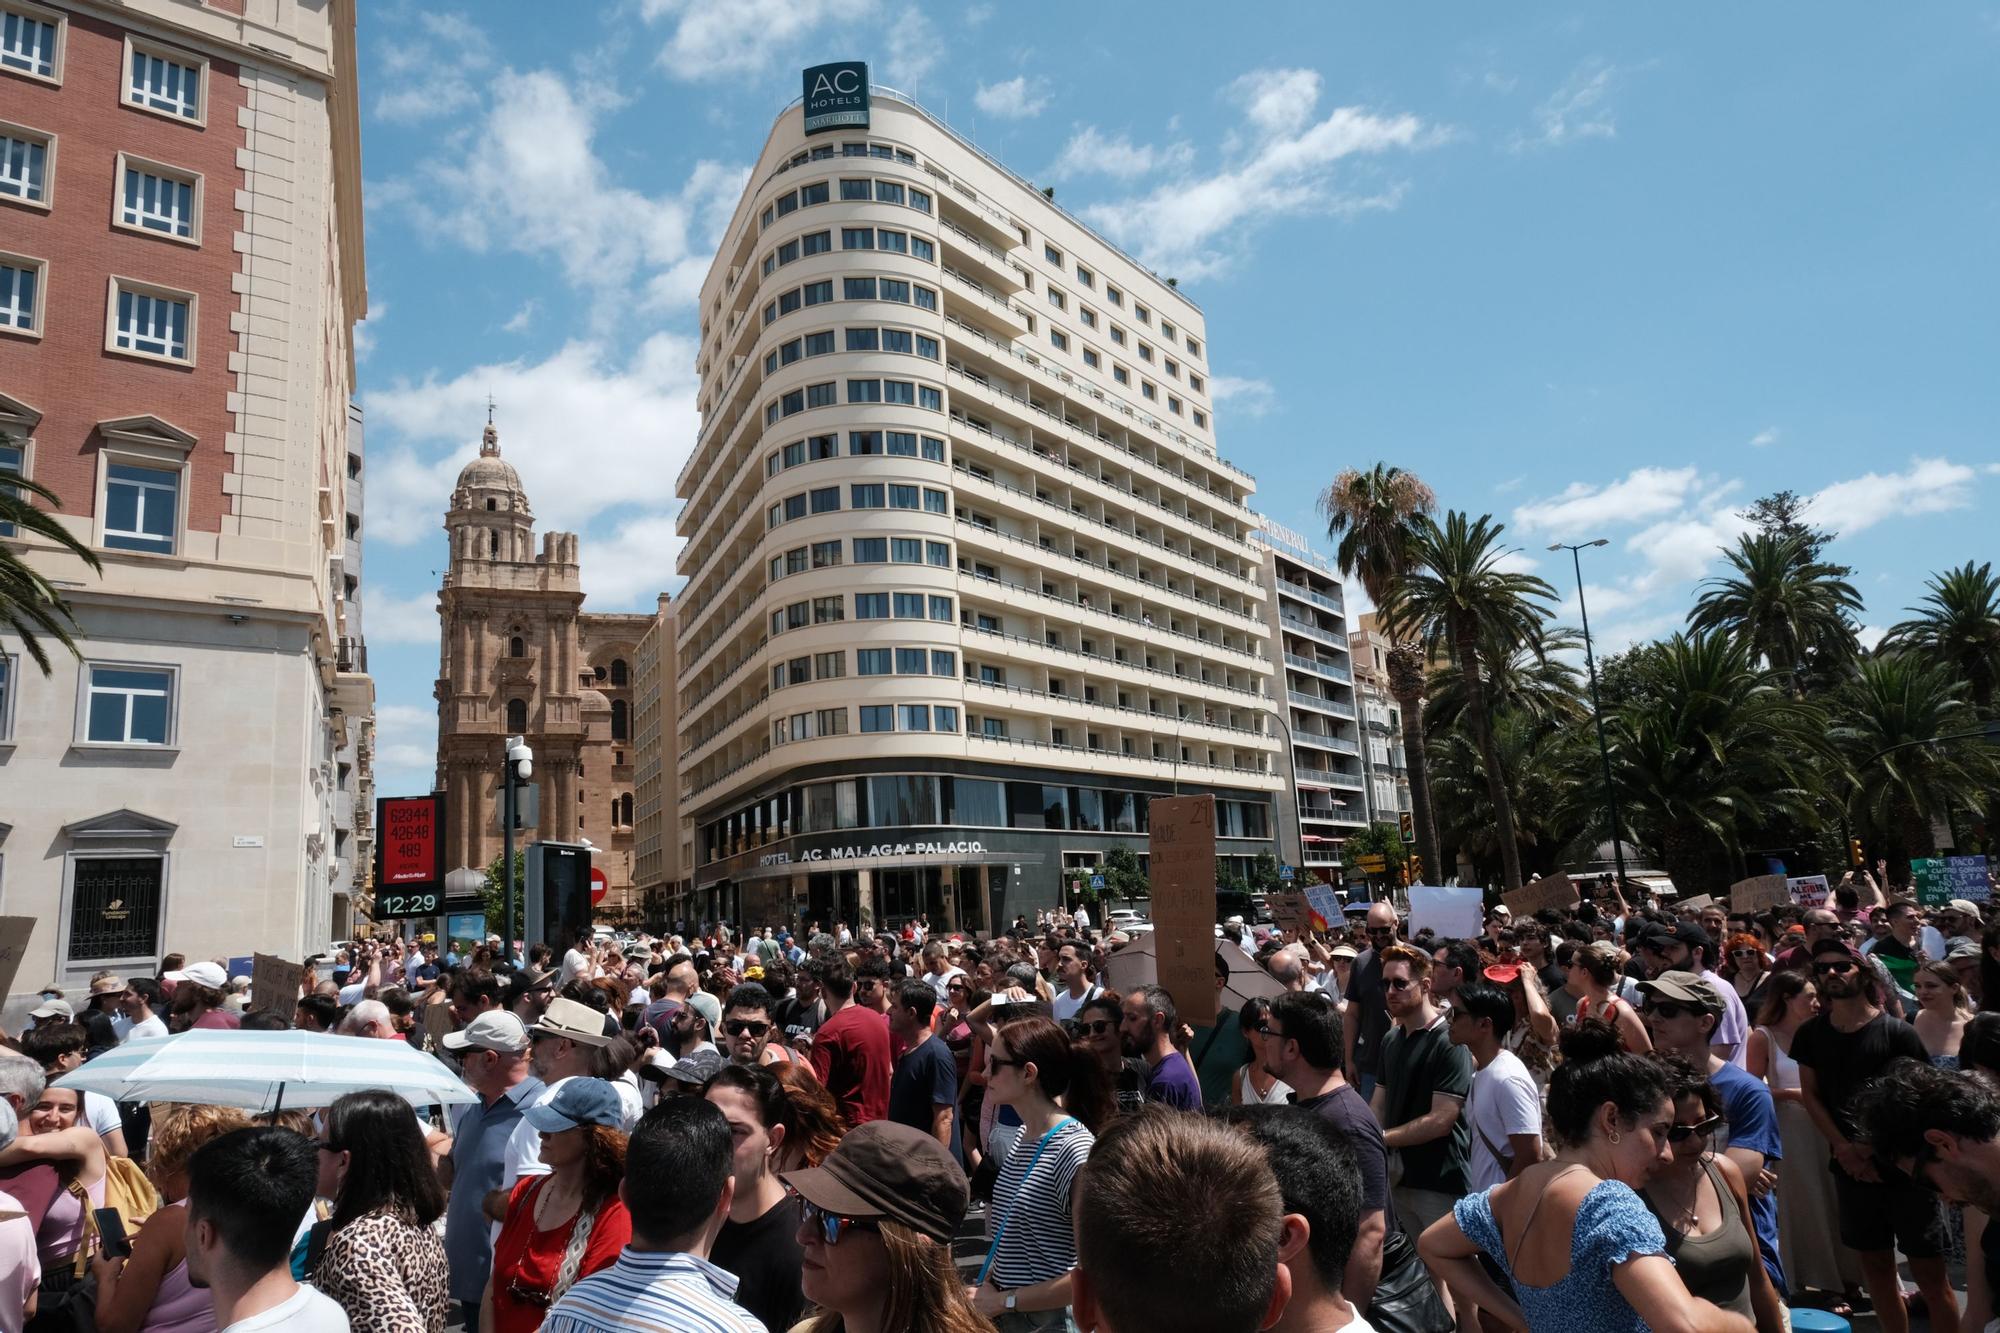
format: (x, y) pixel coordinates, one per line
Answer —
(831, 1225)
(1670, 1011)
(1275, 1034)
(1400, 983)
(995, 1062)
(1744, 953)
(1375, 932)
(1096, 1027)
(1703, 1128)
(736, 1027)
(1837, 966)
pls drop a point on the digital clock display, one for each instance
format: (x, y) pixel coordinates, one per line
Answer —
(389, 903)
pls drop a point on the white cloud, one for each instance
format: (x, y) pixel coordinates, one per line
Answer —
(523, 319)
(390, 617)
(633, 563)
(1090, 152)
(365, 331)
(405, 748)
(1870, 635)
(1017, 99)
(1646, 492)
(714, 39)
(1288, 168)
(561, 201)
(1253, 398)
(591, 430)
(914, 50)
(1927, 486)
(1765, 438)
(433, 73)
(1576, 110)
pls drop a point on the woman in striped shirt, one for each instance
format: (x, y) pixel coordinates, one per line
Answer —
(1059, 1090)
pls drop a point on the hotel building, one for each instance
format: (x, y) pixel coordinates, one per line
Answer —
(967, 582)
(1313, 696)
(180, 274)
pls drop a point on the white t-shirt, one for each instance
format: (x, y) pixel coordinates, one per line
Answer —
(1081, 918)
(940, 982)
(146, 1028)
(1503, 1101)
(102, 1113)
(354, 994)
(20, 1263)
(308, 1311)
(575, 964)
(1066, 1006)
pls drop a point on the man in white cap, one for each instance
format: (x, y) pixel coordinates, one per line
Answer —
(198, 989)
(493, 1146)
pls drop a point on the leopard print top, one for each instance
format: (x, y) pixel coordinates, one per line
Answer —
(390, 1275)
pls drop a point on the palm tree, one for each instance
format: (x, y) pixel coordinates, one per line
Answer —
(30, 606)
(1958, 626)
(1457, 596)
(1374, 516)
(1793, 610)
(1546, 692)
(1713, 748)
(1541, 774)
(1904, 780)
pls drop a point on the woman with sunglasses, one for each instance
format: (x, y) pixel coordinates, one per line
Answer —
(1033, 1068)
(876, 1224)
(1097, 1027)
(1746, 966)
(1703, 1206)
(1254, 1085)
(567, 1224)
(383, 1262)
(1572, 1234)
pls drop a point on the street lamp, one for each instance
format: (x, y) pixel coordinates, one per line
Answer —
(1597, 705)
(1292, 765)
(520, 767)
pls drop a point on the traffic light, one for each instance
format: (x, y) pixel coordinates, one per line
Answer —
(1404, 872)
(1416, 872)
(1855, 856)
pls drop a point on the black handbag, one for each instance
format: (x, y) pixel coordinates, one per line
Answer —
(1406, 1300)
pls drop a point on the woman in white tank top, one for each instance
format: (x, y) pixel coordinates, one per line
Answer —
(1252, 1086)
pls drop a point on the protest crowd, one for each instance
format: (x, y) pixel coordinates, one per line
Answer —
(1612, 1115)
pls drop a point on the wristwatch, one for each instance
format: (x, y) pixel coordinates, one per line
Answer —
(1010, 1302)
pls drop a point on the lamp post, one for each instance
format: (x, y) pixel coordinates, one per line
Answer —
(1596, 704)
(518, 768)
(1291, 763)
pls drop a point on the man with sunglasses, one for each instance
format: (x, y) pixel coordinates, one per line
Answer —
(1367, 1015)
(1839, 1050)
(746, 1026)
(1684, 946)
(1681, 1012)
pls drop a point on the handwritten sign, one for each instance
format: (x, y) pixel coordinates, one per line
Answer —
(274, 984)
(14, 932)
(1291, 911)
(1324, 905)
(1808, 890)
(1549, 891)
(1940, 879)
(1692, 906)
(1181, 850)
(1759, 892)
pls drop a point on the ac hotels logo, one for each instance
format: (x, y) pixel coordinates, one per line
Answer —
(836, 96)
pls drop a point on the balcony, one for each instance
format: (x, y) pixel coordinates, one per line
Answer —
(1321, 703)
(351, 657)
(1331, 670)
(1322, 741)
(1327, 778)
(1293, 625)
(1291, 589)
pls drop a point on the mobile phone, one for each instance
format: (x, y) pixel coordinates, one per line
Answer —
(112, 1242)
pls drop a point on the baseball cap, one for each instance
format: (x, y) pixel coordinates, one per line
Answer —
(698, 1067)
(210, 975)
(883, 1169)
(568, 1018)
(1964, 907)
(579, 1101)
(494, 1030)
(1684, 988)
(1689, 933)
(58, 1009)
(1958, 953)
(707, 1006)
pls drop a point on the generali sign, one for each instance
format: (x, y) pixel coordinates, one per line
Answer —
(836, 96)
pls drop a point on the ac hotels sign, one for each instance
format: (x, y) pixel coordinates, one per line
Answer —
(836, 96)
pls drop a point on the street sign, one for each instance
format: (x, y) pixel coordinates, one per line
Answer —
(1097, 882)
(1407, 822)
(1371, 863)
(1286, 874)
(600, 884)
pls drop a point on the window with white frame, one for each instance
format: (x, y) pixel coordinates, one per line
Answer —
(24, 164)
(30, 40)
(163, 81)
(141, 508)
(13, 462)
(157, 198)
(151, 321)
(20, 293)
(127, 705)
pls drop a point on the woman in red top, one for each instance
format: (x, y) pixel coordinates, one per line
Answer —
(565, 1225)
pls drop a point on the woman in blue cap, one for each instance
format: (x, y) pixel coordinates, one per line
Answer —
(568, 1223)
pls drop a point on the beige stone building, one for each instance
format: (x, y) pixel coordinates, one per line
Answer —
(520, 657)
(661, 842)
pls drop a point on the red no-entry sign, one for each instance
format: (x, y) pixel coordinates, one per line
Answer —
(600, 884)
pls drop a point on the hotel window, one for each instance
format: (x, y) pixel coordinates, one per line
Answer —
(924, 297)
(996, 727)
(151, 321)
(1201, 418)
(946, 718)
(24, 164)
(895, 242)
(1145, 352)
(853, 189)
(928, 397)
(816, 243)
(1141, 314)
(830, 666)
(933, 448)
(1171, 366)
(940, 608)
(1117, 335)
(789, 301)
(912, 662)
(825, 554)
(936, 502)
(878, 717)
(857, 238)
(1053, 255)
(127, 705)
(1091, 359)
(902, 497)
(13, 462)
(938, 554)
(906, 550)
(927, 347)
(819, 344)
(1084, 275)
(872, 661)
(1118, 374)
(944, 663)
(869, 495)
(20, 293)
(832, 721)
(1194, 348)
(857, 289)
(871, 606)
(1146, 388)
(1057, 299)
(863, 340)
(141, 508)
(1196, 382)
(788, 253)
(167, 82)
(896, 340)
(1113, 295)
(1173, 404)
(922, 249)
(916, 717)
(888, 192)
(1058, 340)
(920, 200)
(31, 40)
(820, 395)
(902, 444)
(895, 289)
(819, 293)
(824, 500)
(817, 193)
(1166, 329)
(899, 391)
(827, 610)
(909, 606)
(864, 391)
(1088, 316)
(788, 203)
(871, 550)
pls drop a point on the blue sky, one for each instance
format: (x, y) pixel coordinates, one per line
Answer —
(1600, 271)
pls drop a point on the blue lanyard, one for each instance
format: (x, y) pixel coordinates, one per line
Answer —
(1001, 1230)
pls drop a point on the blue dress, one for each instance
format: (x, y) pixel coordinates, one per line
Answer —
(1612, 1225)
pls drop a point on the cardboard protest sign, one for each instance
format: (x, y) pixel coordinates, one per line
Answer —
(1809, 890)
(1694, 904)
(1759, 892)
(14, 932)
(1181, 852)
(1324, 904)
(1290, 911)
(1454, 913)
(1549, 891)
(274, 984)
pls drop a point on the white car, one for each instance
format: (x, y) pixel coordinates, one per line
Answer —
(1123, 918)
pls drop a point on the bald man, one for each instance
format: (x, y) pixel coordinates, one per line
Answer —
(1367, 1018)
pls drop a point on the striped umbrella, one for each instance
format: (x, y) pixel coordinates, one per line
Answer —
(265, 1071)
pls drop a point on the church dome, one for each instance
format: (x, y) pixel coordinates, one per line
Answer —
(489, 473)
(592, 701)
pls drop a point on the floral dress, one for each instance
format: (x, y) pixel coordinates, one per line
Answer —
(1612, 1225)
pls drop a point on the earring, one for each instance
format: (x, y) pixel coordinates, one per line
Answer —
(1614, 1138)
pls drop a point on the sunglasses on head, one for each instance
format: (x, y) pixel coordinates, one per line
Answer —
(1704, 1128)
(1837, 965)
(831, 1225)
(736, 1027)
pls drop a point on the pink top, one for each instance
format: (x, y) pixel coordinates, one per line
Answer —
(179, 1306)
(62, 1228)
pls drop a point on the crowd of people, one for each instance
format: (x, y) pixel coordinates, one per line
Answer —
(1610, 1117)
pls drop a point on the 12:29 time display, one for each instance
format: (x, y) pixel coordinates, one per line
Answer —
(407, 904)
